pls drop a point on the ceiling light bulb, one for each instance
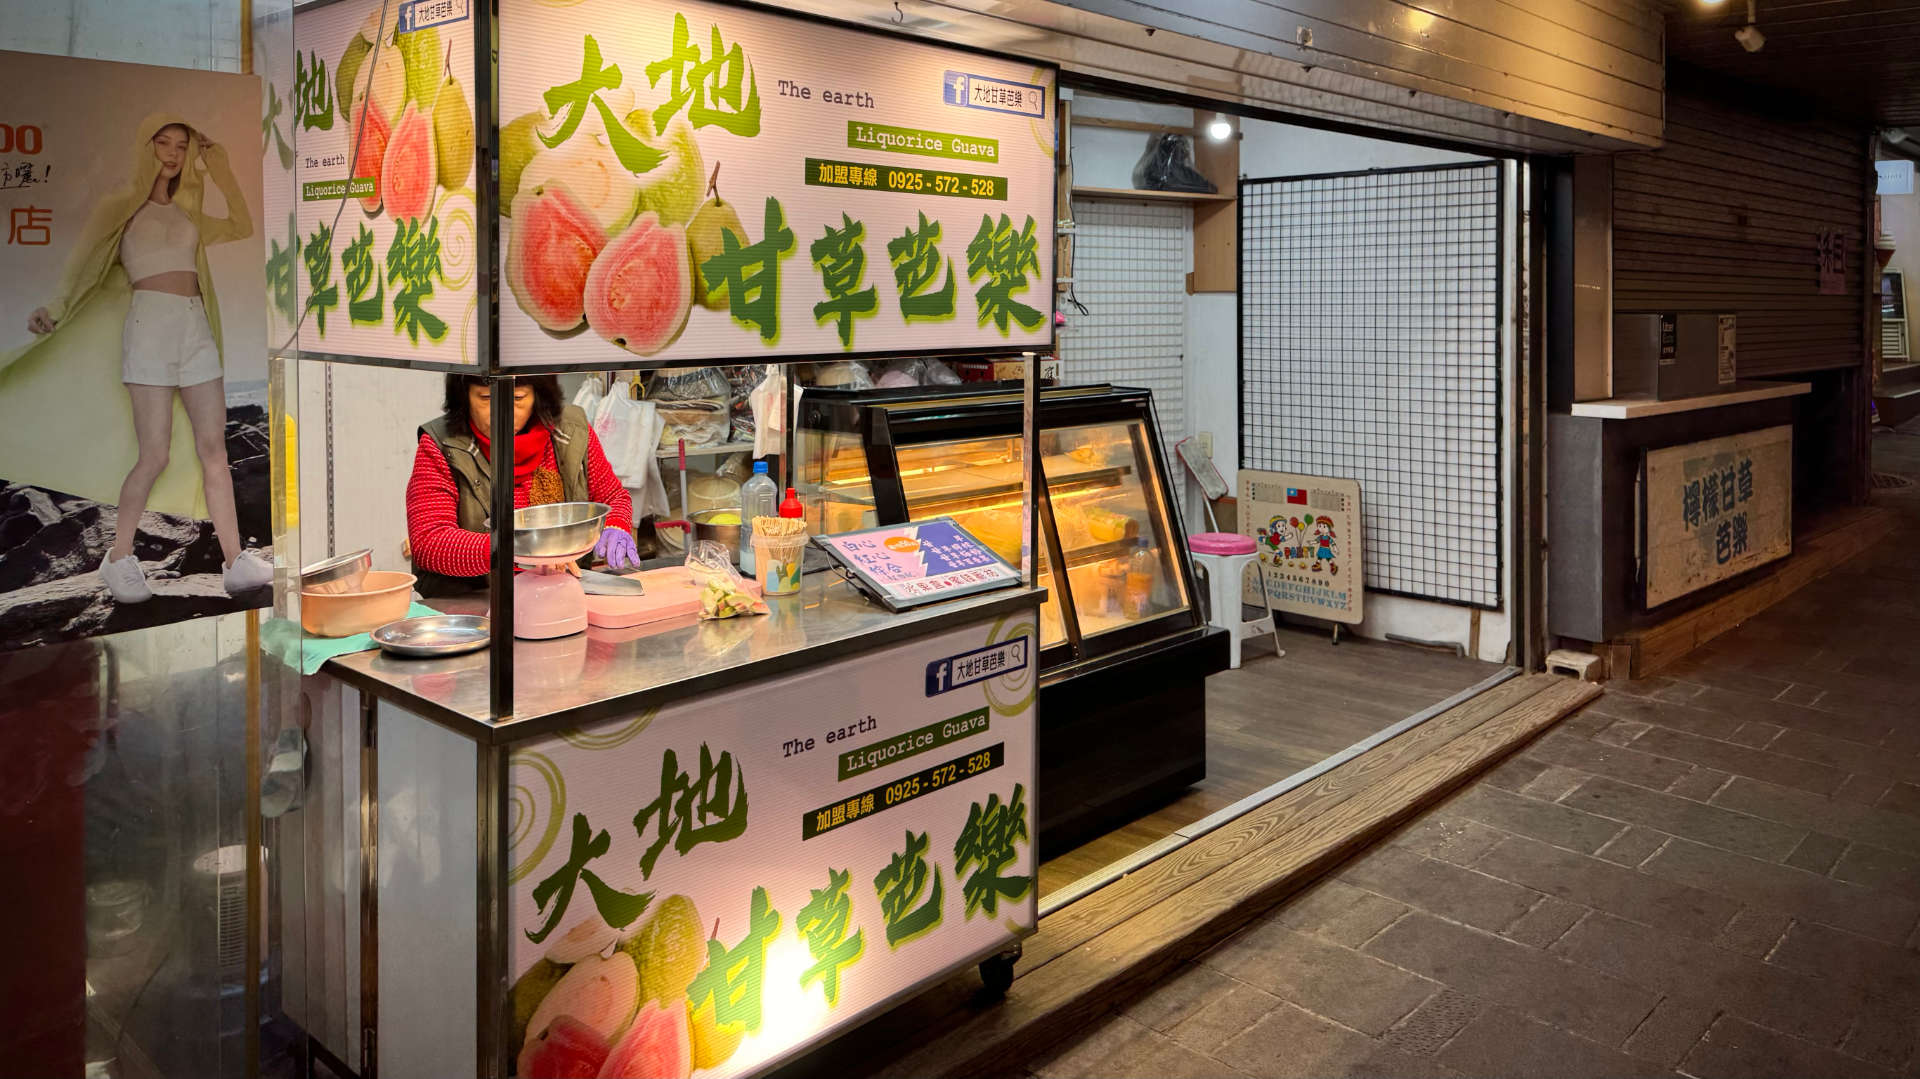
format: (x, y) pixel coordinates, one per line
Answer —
(1219, 130)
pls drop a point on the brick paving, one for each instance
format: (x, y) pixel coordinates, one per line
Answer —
(1712, 872)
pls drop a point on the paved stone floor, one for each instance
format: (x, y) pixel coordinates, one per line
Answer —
(1715, 872)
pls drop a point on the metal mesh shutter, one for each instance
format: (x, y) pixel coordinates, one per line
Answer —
(1370, 349)
(1130, 269)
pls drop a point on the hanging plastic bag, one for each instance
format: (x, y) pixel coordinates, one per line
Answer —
(694, 405)
(845, 375)
(588, 397)
(1168, 166)
(723, 592)
(769, 404)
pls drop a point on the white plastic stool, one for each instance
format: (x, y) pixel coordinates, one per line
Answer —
(1225, 557)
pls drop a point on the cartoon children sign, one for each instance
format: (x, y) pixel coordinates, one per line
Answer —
(1300, 543)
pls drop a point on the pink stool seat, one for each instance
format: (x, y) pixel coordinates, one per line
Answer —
(1220, 543)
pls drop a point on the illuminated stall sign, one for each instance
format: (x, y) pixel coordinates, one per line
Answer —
(376, 258)
(691, 181)
(713, 886)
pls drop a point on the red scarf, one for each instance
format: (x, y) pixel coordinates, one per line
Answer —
(529, 450)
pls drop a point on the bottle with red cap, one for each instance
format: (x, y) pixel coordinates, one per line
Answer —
(790, 505)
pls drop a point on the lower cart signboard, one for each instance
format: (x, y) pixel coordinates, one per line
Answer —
(1306, 534)
(711, 887)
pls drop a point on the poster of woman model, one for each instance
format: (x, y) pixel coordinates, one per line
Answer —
(134, 476)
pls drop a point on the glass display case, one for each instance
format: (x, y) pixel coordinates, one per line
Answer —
(1106, 523)
(1124, 652)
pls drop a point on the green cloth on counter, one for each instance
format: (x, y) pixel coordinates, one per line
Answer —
(286, 642)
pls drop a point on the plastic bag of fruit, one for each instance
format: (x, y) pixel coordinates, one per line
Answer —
(723, 592)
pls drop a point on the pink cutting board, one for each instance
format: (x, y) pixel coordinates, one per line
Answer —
(670, 594)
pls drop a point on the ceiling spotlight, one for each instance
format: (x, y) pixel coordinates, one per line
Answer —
(1220, 129)
(1749, 36)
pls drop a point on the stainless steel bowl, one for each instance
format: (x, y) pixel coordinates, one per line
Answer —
(727, 536)
(558, 529)
(337, 575)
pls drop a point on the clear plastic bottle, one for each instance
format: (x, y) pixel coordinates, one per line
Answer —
(757, 498)
(1142, 568)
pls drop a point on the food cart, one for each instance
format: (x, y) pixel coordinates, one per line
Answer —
(689, 846)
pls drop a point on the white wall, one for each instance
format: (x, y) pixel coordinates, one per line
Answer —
(1104, 157)
(376, 411)
(201, 34)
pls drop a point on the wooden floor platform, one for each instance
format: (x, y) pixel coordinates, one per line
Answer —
(1277, 715)
(1109, 945)
(1832, 540)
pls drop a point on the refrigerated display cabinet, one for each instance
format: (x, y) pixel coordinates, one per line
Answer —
(1124, 648)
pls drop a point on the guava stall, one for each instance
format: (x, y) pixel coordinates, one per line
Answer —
(705, 842)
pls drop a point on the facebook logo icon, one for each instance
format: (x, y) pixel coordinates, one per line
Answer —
(976, 666)
(956, 88)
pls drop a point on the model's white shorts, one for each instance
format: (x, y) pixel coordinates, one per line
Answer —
(166, 342)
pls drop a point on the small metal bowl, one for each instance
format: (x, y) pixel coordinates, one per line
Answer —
(558, 529)
(727, 536)
(337, 575)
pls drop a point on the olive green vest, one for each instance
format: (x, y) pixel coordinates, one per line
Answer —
(473, 477)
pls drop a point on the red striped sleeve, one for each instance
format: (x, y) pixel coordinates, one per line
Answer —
(433, 509)
(604, 486)
(433, 518)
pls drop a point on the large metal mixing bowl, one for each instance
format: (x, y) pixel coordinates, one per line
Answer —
(558, 529)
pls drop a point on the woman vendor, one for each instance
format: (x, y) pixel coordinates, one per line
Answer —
(556, 458)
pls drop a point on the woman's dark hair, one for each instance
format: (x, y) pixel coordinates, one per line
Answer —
(547, 401)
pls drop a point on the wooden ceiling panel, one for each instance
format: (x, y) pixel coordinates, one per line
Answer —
(1858, 59)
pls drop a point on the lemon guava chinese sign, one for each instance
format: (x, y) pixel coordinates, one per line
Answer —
(1716, 509)
(690, 181)
(710, 888)
(376, 257)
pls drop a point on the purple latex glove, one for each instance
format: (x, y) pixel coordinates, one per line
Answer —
(617, 549)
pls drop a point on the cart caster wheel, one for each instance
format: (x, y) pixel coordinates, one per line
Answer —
(997, 973)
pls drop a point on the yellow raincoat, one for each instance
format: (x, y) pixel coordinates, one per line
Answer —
(66, 421)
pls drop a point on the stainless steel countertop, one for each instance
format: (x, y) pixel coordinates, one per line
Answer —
(604, 673)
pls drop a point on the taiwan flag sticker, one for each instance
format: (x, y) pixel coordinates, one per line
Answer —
(1296, 496)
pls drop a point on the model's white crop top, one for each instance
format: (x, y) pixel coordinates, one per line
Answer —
(159, 239)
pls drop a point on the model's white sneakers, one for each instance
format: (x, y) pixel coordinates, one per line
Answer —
(125, 579)
(247, 572)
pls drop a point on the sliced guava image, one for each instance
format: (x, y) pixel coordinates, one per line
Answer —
(654, 1046)
(409, 175)
(552, 247)
(567, 1049)
(593, 175)
(371, 134)
(600, 993)
(641, 287)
